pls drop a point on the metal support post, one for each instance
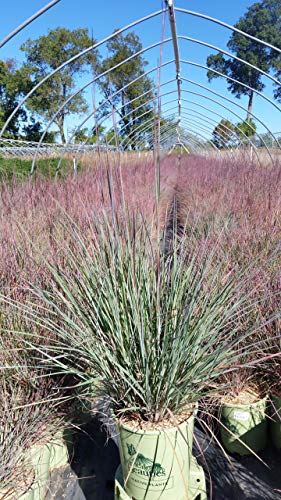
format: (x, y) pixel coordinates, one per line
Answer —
(173, 26)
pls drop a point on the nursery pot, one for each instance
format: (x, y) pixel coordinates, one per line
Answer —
(41, 460)
(244, 424)
(275, 423)
(156, 463)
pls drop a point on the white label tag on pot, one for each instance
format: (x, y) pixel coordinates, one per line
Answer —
(240, 415)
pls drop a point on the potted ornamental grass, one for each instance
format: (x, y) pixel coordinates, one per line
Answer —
(252, 389)
(32, 423)
(242, 410)
(243, 407)
(148, 332)
(31, 441)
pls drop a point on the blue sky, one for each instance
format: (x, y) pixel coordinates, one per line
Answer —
(101, 18)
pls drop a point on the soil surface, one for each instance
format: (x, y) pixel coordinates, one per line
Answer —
(90, 476)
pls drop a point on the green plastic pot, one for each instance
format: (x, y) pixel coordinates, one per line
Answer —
(275, 424)
(42, 459)
(244, 424)
(156, 464)
(196, 487)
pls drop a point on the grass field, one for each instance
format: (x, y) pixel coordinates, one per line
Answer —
(19, 168)
(235, 198)
(230, 208)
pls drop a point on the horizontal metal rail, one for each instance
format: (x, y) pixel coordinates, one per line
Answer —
(185, 118)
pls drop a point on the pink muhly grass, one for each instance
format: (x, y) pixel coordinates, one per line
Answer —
(236, 197)
(235, 203)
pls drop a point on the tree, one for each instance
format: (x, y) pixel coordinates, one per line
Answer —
(275, 40)
(127, 101)
(33, 132)
(261, 20)
(223, 134)
(246, 128)
(13, 85)
(277, 92)
(81, 135)
(266, 140)
(84, 135)
(45, 54)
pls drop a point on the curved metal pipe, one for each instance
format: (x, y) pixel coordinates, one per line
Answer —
(205, 129)
(149, 121)
(205, 44)
(228, 109)
(27, 22)
(153, 46)
(236, 81)
(164, 104)
(167, 130)
(136, 54)
(197, 104)
(191, 138)
(165, 41)
(225, 25)
(238, 105)
(72, 59)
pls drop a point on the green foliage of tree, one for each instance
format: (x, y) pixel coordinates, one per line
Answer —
(246, 128)
(127, 101)
(112, 138)
(81, 135)
(45, 54)
(13, 85)
(33, 132)
(223, 134)
(277, 67)
(274, 36)
(84, 135)
(261, 20)
(226, 134)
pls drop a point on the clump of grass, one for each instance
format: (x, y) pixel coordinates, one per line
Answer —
(151, 331)
(18, 169)
(229, 202)
(25, 421)
(33, 408)
(270, 370)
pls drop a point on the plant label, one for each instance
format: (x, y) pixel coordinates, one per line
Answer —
(241, 415)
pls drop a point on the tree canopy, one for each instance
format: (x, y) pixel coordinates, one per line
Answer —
(129, 102)
(262, 20)
(12, 88)
(223, 134)
(227, 134)
(245, 129)
(45, 54)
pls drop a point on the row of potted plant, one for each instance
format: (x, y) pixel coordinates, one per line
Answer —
(149, 332)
